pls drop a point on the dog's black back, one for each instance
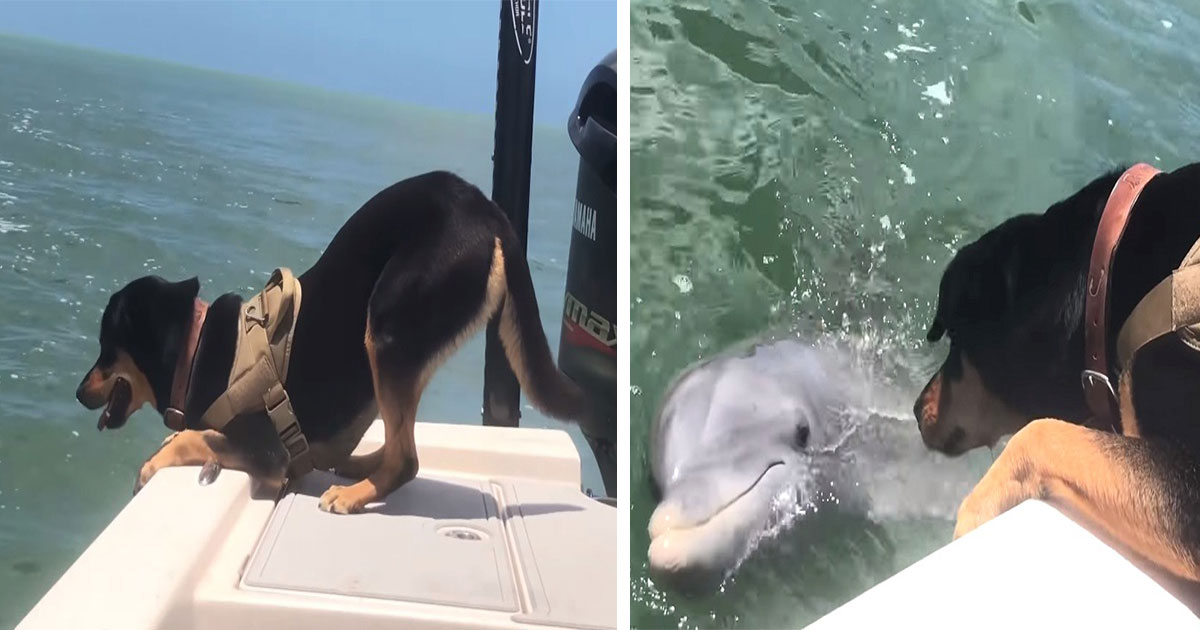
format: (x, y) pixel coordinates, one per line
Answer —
(434, 217)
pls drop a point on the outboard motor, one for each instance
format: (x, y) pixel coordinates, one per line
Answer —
(587, 350)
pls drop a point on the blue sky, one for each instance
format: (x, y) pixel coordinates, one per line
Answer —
(438, 53)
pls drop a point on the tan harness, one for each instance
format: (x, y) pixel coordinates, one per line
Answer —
(1172, 306)
(256, 382)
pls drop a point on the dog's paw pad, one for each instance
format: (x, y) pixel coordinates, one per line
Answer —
(339, 500)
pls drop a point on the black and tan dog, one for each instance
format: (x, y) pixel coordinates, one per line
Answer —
(1012, 305)
(414, 272)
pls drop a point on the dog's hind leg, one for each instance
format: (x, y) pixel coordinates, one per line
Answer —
(395, 463)
(1141, 496)
(424, 306)
(360, 466)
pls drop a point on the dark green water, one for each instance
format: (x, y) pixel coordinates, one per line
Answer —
(113, 167)
(811, 167)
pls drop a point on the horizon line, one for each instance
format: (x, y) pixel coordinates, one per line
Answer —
(367, 96)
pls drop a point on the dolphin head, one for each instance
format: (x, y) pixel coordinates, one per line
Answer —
(729, 439)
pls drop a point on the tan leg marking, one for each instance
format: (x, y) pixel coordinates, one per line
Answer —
(397, 459)
(1073, 468)
(191, 448)
(397, 462)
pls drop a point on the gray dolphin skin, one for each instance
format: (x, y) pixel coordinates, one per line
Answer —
(732, 433)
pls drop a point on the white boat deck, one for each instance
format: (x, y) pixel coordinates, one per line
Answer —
(1031, 567)
(493, 533)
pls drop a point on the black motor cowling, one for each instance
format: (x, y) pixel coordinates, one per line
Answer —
(587, 350)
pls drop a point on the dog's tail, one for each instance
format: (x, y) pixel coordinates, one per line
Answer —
(551, 391)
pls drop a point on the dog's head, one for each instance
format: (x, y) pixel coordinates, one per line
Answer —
(1010, 312)
(141, 333)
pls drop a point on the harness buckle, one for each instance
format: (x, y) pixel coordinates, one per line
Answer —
(251, 317)
(1092, 378)
(1100, 396)
(295, 447)
(281, 414)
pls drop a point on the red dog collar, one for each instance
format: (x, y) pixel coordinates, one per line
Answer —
(173, 416)
(1097, 388)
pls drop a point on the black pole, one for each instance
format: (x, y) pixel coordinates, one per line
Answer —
(510, 182)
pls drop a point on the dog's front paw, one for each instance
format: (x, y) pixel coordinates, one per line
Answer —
(1014, 477)
(343, 499)
(144, 475)
(989, 499)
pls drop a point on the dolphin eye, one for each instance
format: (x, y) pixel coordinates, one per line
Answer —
(802, 435)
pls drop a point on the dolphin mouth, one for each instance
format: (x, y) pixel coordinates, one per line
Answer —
(674, 519)
(697, 555)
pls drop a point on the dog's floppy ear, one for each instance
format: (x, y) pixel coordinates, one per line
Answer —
(189, 288)
(978, 288)
(990, 289)
(176, 319)
(987, 288)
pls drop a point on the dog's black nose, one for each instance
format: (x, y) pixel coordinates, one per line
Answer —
(954, 442)
(87, 397)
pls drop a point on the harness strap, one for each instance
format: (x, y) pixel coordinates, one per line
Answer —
(264, 347)
(1173, 305)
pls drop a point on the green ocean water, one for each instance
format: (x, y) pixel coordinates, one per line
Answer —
(113, 167)
(810, 167)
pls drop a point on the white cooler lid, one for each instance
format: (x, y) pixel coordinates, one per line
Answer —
(456, 541)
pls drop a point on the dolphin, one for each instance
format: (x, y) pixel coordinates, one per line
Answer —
(732, 435)
(747, 441)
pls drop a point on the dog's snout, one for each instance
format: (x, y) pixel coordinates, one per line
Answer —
(88, 393)
(954, 442)
(938, 436)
